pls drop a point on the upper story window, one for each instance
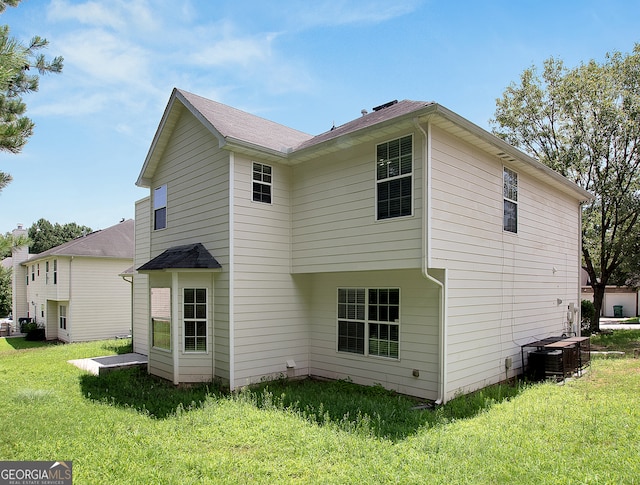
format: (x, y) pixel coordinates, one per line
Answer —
(46, 272)
(55, 271)
(394, 169)
(160, 207)
(33, 273)
(510, 194)
(261, 182)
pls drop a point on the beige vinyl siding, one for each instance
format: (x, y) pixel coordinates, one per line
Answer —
(100, 301)
(141, 329)
(419, 304)
(503, 288)
(196, 366)
(196, 172)
(334, 215)
(271, 321)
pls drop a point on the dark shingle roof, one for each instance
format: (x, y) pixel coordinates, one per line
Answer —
(113, 242)
(188, 256)
(240, 125)
(394, 110)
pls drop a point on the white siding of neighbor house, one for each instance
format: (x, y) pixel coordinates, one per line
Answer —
(271, 323)
(419, 310)
(334, 214)
(100, 300)
(196, 172)
(40, 292)
(503, 288)
(141, 281)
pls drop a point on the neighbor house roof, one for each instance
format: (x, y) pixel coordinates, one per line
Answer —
(251, 135)
(113, 242)
(188, 256)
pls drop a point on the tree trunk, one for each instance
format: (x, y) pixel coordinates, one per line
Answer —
(598, 298)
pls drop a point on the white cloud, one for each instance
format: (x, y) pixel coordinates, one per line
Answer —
(89, 13)
(344, 12)
(105, 58)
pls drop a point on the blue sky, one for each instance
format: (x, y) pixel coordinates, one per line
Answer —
(305, 64)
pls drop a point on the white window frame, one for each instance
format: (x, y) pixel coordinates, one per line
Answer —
(357, 309)
(161, 324)
(160, 309)
(196, 319)
(159, 204)
(393, 173)
(510, 199)
(62, 316)
(259, 177)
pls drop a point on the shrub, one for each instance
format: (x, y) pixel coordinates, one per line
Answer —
(587, 312)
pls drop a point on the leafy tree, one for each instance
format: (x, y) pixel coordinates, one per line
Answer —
(9, 242)
(44, 235)
(5, 291)
(585, 123)
(16, 63)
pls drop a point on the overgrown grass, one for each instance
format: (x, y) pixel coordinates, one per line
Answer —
(372, 410)
(621, 340)
(128, 428)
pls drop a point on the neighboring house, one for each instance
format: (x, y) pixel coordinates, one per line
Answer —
(614, 296)
(76, 290)
(408, 247)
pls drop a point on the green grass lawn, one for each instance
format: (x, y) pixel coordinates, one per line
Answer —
(128, 428)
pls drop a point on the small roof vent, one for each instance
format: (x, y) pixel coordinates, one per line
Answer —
(363, 112)
(385, 105)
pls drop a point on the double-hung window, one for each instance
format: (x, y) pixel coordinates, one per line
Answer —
(369, 321)
(161, 318)
(262, 178)
(195, 319)
(55, 271)
(46, 273)
(160, 207)
(510, 196)
(63, 317)
(394, 178)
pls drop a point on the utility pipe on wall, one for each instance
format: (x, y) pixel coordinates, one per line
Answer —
(426, 262)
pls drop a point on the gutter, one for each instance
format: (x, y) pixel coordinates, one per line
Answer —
(426, 263)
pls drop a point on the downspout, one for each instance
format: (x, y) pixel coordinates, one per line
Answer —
(232, 168)
(175, 341)
(426, 263)
(131, 283)
(70, 315)
(578, 312)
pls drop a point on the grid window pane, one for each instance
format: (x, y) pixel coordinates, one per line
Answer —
(195, 319)
(510, 194)
(351, 337)
(394, 167)
(377, 318)
(262, 180)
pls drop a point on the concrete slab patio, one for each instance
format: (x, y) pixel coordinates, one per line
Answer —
(100, 365)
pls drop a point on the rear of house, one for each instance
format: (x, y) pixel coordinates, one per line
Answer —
(408, 248)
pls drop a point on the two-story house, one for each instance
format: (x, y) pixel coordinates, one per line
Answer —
(408, 247)
(76, 290)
